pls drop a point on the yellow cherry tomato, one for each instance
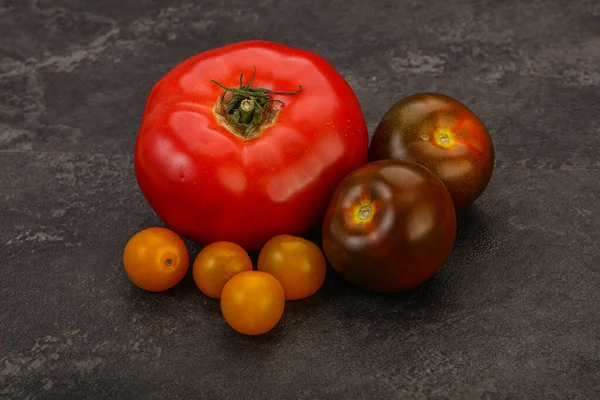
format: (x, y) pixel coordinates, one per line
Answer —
(216, 264)
(298, 264)
(156, 259)
(252, 302)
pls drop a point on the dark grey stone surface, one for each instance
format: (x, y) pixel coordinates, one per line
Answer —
(514, 313)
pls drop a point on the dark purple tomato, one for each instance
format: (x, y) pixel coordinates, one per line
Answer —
(389, 226)
(442, 134)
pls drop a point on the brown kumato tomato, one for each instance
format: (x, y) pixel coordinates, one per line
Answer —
(442, 134)
(389, 226)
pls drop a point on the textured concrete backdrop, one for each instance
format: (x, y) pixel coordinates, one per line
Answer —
(514, 313)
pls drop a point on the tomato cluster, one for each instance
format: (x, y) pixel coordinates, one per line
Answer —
(242, 164)
(392, 222)
(252, 301)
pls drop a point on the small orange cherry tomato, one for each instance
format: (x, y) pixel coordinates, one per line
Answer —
(252, 302)
(156, 259)
(216, 264)
(297, 263)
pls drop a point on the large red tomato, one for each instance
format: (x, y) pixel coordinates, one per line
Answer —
(222, 156)
(442, 134)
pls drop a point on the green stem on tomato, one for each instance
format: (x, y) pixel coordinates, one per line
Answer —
(246, 111)
(245, 107)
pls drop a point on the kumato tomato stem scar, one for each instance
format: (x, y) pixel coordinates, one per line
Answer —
(245, 108)
(365, 212)
(362, 213)
(444, 138)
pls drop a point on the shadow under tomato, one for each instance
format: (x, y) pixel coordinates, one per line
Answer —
(472, 215)
(479, 234)
(254, 347)
(345, 302)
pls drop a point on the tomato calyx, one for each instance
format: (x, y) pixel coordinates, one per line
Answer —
(247, 110)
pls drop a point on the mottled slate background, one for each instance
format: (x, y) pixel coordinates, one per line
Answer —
(514, 313)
